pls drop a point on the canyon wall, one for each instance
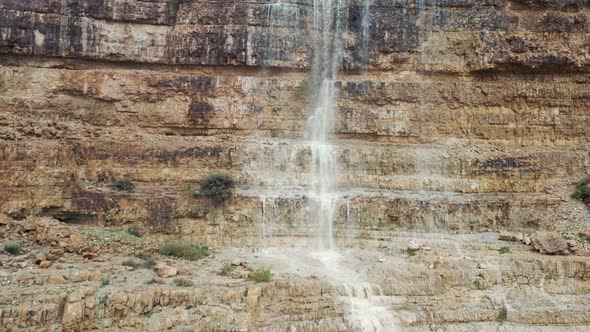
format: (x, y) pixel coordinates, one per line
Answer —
(453, 116)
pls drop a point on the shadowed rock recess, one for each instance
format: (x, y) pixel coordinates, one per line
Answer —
(454, 121)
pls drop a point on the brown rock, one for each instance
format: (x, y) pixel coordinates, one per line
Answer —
(4, 220)
(40, 257)
(184, 271)
(511, 237)
(550, 243)
(45, 264)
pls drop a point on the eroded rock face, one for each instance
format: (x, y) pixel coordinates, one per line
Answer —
(472, 116)
(453, 116)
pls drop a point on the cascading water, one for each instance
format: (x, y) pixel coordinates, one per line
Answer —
(364, 314)
(328, 24)
(278, 167)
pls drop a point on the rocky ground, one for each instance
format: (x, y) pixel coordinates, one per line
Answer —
(78, 278)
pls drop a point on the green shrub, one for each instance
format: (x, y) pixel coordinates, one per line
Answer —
(218, 188)
(134, 231)
(582, 193)
(12, 247)
(184, 249)
(261, 275)
(183, 282)
(103, 299)
(505, 250)
(123, 185)
(105, 281)
(227, 269)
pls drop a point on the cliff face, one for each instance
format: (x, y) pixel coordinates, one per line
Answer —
(454, 116)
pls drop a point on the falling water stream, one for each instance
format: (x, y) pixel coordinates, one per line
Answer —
(364, 313)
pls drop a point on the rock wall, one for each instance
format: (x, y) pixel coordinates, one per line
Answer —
(454, 116)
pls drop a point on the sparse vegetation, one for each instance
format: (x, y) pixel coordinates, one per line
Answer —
(411, 252)
(582, 191)
(183, 282)
(157, 281)
(218, 188)
(502, 315)
(227, 269)
(12, 247)
(123, 185)
(184, 249)
(134, 231)
(505, 250)
(105, 281)
(148, 260)
(134, 263)
(261, 275)
(103, 299)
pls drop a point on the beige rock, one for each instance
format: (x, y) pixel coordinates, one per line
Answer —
(73, 314)
(118, 298)
(80, 276)
(56, 278)
(76, 296)
(165, 271)
(253, 296)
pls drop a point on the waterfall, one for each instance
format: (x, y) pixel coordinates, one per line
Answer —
(328, 26)
(364, 312)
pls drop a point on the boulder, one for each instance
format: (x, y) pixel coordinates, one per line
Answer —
(166, 271)
(550, 243)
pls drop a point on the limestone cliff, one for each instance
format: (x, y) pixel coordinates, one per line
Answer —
(454, 116)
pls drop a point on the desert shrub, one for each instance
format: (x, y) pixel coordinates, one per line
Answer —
(123, 185)
(184, 249)
(260, 275)
(12, 247)
(134, 231)
(134, 263)
(582, 192)
(227, 269)
(218, 188)
(157, 281)
(183, 282)
(105, 281)
(505, 250)
(148, 260)
(502, 315)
